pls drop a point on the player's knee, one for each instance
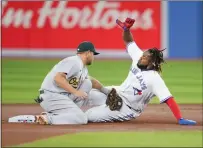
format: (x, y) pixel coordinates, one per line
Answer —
(91, 116)
(96, 97)
(81, 118)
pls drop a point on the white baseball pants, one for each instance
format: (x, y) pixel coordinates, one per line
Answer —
(102, 113)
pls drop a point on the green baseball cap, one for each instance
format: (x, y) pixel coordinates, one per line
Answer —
(85, 46)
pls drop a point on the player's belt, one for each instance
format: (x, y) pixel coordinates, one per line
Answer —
(40, 99)
(42, 91)
(136, 110)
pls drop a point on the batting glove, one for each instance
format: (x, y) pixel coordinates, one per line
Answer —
(183, 121)
(127, 24)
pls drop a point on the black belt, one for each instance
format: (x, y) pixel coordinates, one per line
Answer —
(136, 110)
(40, 99)
(62, 93)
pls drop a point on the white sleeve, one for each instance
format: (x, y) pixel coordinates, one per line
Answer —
(160, 89)
(134, 51)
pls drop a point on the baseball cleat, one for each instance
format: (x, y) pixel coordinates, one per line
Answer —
(183, 121)
(41, 119)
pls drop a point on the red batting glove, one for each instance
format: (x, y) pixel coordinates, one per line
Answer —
(127, 24)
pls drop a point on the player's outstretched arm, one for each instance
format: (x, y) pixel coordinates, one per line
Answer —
(131, 47)
(176, 111)
(160, 89)
(98, 85)
(127, 36)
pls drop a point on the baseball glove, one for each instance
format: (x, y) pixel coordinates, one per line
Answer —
(114, 101)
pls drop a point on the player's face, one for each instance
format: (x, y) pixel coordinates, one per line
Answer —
(90, 57)
(145, 60)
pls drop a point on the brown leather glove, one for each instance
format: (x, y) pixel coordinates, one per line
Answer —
(114, 101)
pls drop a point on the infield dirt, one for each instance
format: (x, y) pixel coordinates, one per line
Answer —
(155, 117)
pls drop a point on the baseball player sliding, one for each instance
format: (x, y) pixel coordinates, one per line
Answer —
(65, 89)
(142, 83)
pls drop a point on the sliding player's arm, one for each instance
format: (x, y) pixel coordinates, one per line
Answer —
(133, 50)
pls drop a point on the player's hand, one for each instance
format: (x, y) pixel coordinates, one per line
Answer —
(81, 94)
(127, 24)
(183, 121)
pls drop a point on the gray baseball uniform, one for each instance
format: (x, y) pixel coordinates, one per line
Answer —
(61, 106)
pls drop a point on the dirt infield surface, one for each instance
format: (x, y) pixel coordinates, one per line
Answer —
(155, 117)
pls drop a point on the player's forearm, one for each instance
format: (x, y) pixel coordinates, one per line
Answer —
(60, 80)
(127, 36)
(97, 85)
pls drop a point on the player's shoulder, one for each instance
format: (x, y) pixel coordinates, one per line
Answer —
(154, 74)
(157, 78)
(153, 77)
(157, 74)
(72, 59)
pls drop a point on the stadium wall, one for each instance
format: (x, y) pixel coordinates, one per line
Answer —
(185, 29)
(28, 30)
(54, 29)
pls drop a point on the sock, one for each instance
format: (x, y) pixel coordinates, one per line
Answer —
(174, 107)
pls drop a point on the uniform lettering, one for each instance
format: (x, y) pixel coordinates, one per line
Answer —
(74, 82)
(134, 70)
(140, 79)
(142, 84)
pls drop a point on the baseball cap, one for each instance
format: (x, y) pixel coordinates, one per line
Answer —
(85, 46)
